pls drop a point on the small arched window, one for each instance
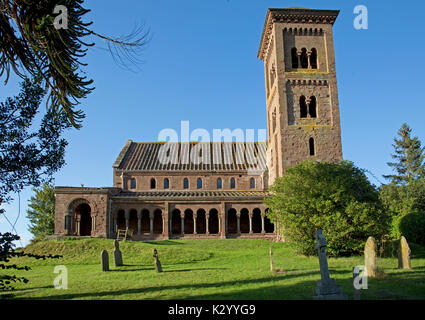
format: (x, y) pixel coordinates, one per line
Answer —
(133, 183)
(219, 183)
(199, 183)
(153, 183)
(311, 145)
(312, 107)
(294, 57)
(304, 58)
(232, 183)
(313, 59)
(303, 107)
(166, 183)
(252, 183)
(186, 183)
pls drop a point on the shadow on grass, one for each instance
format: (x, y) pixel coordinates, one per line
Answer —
(147, 290)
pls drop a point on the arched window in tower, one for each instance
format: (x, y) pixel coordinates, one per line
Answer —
(304, 58)
(133, 183)
(313, 59)
(232, 183)
(303, 107)
(219, 183)
(252, 183)
(186, 183)
(311, 145)
(312, 107)
(166, 183)
(294, 57)
(199, 183)
(153, 183)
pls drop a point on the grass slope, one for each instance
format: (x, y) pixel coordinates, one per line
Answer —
(203, 269)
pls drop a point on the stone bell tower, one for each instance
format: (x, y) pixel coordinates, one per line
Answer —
(301, 90)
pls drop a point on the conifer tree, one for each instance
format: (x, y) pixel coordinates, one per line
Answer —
(409, 158)
(41, 211)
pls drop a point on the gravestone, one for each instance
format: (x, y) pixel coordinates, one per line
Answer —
(117, 254)
(370, 257)
(271, 260)
(326, 288)
(105, 260)
(404, 254)
(157, 263)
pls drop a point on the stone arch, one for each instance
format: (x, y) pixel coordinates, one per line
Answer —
(256, 221)
(145, 221)
(188, 221)
(176, 222)
(132, 222)
(201, 221)
(213, 221)
(157, 221)
(232, 221)
(81, 213)
(244, 221)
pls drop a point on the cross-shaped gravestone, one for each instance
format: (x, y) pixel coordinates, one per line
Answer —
(326, 287)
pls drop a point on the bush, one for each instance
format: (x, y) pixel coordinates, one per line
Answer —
(412, 227)
(337, 198)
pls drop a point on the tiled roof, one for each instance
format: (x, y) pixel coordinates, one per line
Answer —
(192, 195)
(189, 156)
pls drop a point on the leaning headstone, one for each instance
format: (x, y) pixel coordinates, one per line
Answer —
(326, 288)
(157, 263)
(105, 260)
(271, 260)
(370, 257)
(117, 254)
(404, 254)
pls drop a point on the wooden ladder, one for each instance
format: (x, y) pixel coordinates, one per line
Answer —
(122, 234)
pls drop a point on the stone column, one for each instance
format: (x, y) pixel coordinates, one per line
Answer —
(207, 229)
(250, 222)
(195, 216)
(263, 231)
(139, 222)
(299, 59)
(223, 222)
(127, 218)
(77, 224)
(238, 216)
(165, 217)
(308, 56)
(151, 223)
(182, 217)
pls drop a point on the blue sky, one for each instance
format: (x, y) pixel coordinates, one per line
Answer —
(201, 65)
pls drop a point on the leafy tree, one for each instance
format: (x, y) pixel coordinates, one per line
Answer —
(28, 156)
(7, 252)
(337, 198)
(41, 212)
(409, 156)
(30, 42)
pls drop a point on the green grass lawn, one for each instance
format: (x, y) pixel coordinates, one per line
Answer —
(203, 269)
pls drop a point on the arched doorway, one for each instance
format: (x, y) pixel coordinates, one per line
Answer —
(176, 222)
(83, 214)
(188, 221)
(244, 222)
(201, 222)
(256, 221)
(157, 221)
(213, 222)
(232, 222)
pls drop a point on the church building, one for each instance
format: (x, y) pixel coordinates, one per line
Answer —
(221, 196)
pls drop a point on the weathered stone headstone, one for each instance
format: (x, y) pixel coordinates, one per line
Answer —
(271, 260)
(105, 260)
(370, 257)
(326, 287)
(117, 254)
(157, 263)
(404, 254)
